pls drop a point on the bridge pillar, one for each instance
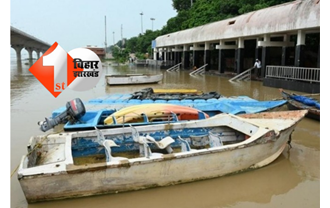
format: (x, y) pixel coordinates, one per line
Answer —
(30, 51)
(18, 49)
(38, 53)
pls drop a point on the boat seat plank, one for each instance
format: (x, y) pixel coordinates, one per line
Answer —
(185, 146)
(109, 158)
(215, 140)
(144, 140)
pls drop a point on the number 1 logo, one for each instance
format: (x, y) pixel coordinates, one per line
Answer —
(54, 69)
(57, 60)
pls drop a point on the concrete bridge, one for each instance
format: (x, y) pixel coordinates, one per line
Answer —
(20, 40)
(286, 34)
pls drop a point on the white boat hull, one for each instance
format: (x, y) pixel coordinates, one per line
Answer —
(65, 180)
(133, 79)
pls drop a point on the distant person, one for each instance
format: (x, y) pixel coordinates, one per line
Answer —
(257, 66)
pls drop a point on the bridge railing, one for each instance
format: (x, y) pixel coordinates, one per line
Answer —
(293, 73)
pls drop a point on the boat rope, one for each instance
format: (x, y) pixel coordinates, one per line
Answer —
(38, 145)
(289, 141)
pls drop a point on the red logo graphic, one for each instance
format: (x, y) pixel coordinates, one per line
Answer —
(56, 69)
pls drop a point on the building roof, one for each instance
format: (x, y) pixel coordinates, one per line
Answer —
(283, 18)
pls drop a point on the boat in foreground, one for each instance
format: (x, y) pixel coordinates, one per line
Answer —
(85, 163)
(301, 102)
(129, 79)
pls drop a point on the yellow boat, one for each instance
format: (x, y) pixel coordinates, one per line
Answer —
(154, 112)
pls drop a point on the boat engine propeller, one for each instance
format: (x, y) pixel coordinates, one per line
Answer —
(75, 109)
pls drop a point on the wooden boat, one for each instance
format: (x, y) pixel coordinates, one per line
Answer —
(300, 102)
(129, 79)
(85, 163)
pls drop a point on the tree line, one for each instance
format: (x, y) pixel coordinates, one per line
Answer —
(190, 13)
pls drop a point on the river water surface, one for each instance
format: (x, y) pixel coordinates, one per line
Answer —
(291, 181)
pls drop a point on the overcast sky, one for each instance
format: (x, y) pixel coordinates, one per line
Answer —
(77, 23)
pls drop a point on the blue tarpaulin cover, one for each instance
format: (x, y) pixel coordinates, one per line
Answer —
(306, 100)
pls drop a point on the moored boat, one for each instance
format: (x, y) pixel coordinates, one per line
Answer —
(301, 102)
(144, 114)
(211, 103)
(154, 112)
(147, 113)
(137, 115)
(85, 163)
(129, 79)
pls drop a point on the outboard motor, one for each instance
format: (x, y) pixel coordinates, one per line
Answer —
(75, 109)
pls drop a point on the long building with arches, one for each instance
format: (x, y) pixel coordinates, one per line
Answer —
(283, 35)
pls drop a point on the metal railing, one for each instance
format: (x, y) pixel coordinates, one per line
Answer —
(293, 73)
(141, 62)
(246, 75)
(154, 63)
(159, 63)
(174, 68)
(200, 70)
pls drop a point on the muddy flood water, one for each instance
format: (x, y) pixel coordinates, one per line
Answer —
(291, 181)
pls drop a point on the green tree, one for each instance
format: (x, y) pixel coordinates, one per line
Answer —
(120, 55)
(131, 44)
(202, 12)
(192, 15)
(181, 5)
